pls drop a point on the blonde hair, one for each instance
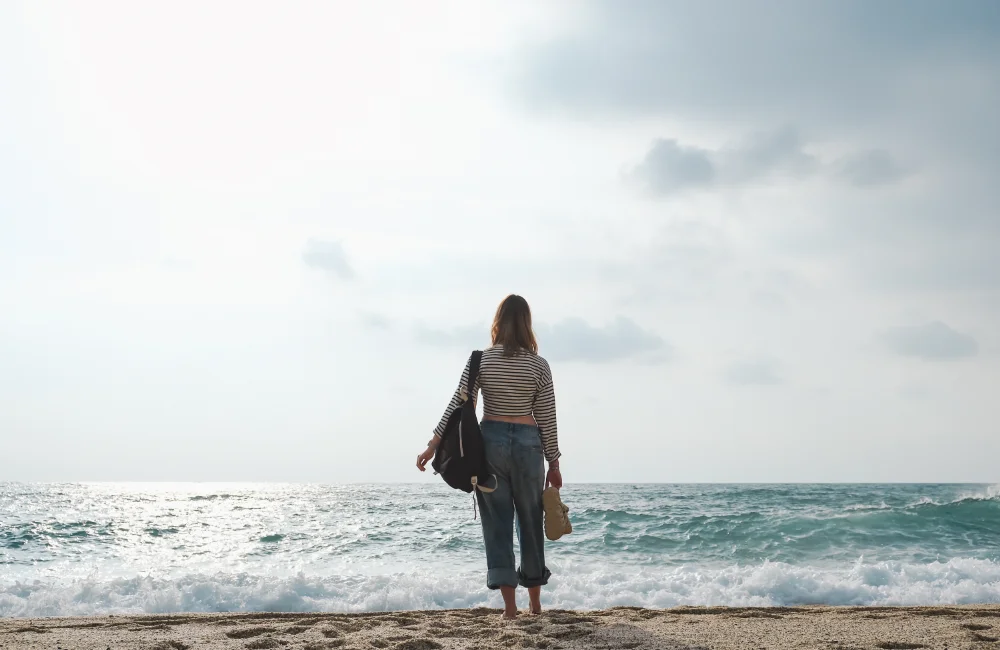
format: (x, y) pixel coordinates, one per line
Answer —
(512, 326)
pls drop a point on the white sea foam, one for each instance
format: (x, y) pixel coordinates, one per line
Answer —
(986, 493)
(864, 507)
(84, 549)
(574, 587)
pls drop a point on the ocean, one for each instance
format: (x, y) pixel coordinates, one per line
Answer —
(99, 548)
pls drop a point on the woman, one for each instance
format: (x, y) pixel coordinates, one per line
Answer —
(519, 433)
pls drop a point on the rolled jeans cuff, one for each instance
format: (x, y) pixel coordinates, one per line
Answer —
(496, 578)
(525, 581)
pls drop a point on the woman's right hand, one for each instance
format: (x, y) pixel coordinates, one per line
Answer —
(425, 458)
(554, 477)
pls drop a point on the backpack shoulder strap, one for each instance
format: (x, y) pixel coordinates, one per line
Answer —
(474, 362)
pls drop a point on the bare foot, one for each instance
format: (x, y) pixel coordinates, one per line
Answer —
(535, 599)
(509, 603)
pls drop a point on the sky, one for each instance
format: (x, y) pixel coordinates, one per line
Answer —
(248, 241)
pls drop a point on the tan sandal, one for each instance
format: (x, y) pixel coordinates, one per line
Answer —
(556, 514)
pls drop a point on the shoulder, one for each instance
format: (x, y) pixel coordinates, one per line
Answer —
(539, 363)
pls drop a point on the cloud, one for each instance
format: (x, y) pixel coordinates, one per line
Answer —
(573, 339)
(767, 299)
(878, 90)
(764, 153)
(933, 341)
(758, 372)
(871, 168)
(328, 256)
(942, 235)
(372, 320)
(670, 167)
(843, 61)
(466, 336)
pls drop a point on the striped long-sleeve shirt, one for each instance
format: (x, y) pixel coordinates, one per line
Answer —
(512, 386)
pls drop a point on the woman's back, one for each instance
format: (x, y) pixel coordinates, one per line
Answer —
(513, 386)
(510, 384)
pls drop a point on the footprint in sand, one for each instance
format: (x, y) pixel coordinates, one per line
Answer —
(464, 632)
(248, 632)
(570, 620)
(350, 626)
(323, 645)
(171, 645)
(569, 633)
(264, 644)
(419, 644)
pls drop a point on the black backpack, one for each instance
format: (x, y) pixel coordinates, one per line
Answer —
(460, 459)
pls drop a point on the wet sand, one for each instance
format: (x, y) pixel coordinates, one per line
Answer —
(829, 628)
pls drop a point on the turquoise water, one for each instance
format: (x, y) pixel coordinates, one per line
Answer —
(106, 548)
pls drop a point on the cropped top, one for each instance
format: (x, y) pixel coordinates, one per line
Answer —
(513, 386)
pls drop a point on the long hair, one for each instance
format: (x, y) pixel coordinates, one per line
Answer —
(512, 326)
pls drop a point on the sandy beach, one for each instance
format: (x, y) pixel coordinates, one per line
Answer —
(832, 628)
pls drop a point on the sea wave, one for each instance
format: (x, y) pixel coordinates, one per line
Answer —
(91, 549)
(958, 581)
(922, 530)
(988, 493)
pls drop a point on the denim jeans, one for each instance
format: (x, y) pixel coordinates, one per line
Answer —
(514, 453)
